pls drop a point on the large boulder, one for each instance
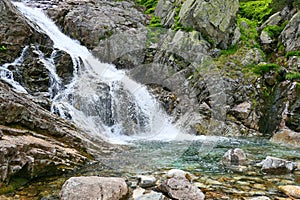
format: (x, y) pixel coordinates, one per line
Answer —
(234, 157)
(215, 19)
(273, 165)
(94, 188)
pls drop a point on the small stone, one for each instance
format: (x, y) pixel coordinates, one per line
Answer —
(177, 173)
(146, 181)
(138, 192)
(234, 157)
(152, 196)
(290, 190)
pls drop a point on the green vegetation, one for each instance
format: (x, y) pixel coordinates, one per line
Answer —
(292, 76)
(231, 50)
(155, 22)
(3, 48)
(249, 34)
(274, 31)
(292, 53)
(13, 185)
(149, 6)
(256, 10)
(265, 68)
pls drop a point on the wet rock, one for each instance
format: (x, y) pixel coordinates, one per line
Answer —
(290, 190)
(234, 157)
(93, 187)
(64, 66)
(215, 19)
(146, 181)
(273, 165)
(180, 188)
(287, 137)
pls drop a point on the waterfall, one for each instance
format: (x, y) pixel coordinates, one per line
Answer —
(100, 99)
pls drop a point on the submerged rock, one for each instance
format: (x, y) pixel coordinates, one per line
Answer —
(290, 190)
(234, 157)
(94, 188)
(273, 165)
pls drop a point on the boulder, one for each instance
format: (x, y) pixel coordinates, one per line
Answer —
(179, 174)
(287, 137)
(253, 56)
(273, 165)
(180, 188)
(290, 190)
(234, 157)
(241, 111)
(94, 188)
(165, 11)
(152, 196)
(214, 19)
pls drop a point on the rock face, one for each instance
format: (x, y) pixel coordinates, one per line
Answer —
(15, 32)
(102, 19)
(179, 187)
(94, 187)
(290, 35)
(41, 143)
(277, 166)
(215, 19)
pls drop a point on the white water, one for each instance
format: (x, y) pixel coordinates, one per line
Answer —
(79, 98)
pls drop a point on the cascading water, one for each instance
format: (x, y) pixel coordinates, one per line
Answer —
(100, 98)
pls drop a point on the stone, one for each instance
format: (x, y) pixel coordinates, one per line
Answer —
(286, 136)
(180, 188)
(234, 157)
(290, 35)
(165, 11)
(258, 198)
(94, 187)
(253, 56)
(1, 134)
(290, 190)
(241, 111)
(179, 174)
(215, 19)
(152, 196)
(146, 181)
(273, 165)
(138, 192)
(265, 38)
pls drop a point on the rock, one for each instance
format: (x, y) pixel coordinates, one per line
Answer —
(165, 11)
(273, 165)
(152, 196)
(265, 38)
(271, 78)
(101, 19)
(234, 157)
(290, 190)
(146, 181)
(258, 198)
(290, 35)
(94, 187)
(138, 192)
(180, 188)
(253, 56)
(287, 137)
(179, 174)
(241, 111)
(1, 134)
(215, 19)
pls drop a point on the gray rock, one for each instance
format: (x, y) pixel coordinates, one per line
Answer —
(273, 165)
(165, 10)
(253, 56)
(265, 38)
(146, 181)
(1, 134)
(152, 196)
(290, 35)
(234, 157)
(180, 188)
(215, 19)
(94, 188)
(241, 111)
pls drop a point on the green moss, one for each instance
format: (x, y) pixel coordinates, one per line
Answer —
(3, 48)
(249, 34)
(258, 10)
(155, 22)
(231, 50)
(265, 68)
(13, 185)
(292, 53)
(275, 30)
(293, 76)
